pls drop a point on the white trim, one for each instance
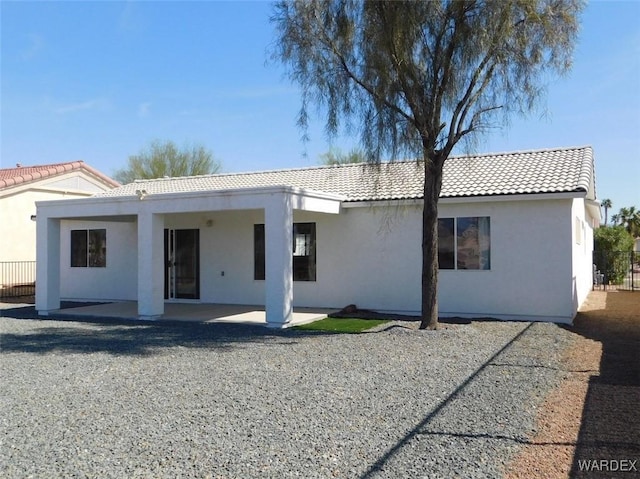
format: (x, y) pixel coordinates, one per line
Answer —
(593, 208)
(237, 192)
(168, 202)
(66, 191)
(467, 199)
(515, 197)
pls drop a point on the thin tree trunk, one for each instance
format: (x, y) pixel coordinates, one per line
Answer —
(432, 186)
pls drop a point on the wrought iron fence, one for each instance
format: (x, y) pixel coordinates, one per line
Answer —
(616, 270)
(17, 278)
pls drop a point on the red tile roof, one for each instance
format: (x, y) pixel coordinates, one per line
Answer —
(26, 174)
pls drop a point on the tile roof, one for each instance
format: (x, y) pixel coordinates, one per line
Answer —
(26, 174)
(524, 172)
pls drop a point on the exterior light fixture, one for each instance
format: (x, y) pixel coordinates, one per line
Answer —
(141, 194)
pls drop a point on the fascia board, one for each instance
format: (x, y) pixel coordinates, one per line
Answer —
(171, 202)
(468, 199)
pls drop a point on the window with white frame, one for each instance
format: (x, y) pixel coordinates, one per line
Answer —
(464, 243)
(89, 248)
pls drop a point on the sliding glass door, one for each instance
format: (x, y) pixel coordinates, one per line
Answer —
(182, 259)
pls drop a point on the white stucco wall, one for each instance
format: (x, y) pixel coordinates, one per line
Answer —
(17, 230)
(530, 276)
(17, 205)
(116, 281)
(226, 246)
(365, 256)
(582, 251)
(370, 257)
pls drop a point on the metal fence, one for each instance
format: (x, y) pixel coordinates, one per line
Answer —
(17, 278)
(616, 270)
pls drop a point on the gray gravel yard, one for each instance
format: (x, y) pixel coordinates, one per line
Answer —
(155, 400)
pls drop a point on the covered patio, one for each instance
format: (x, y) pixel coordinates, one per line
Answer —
(194, 312)
(151, 214)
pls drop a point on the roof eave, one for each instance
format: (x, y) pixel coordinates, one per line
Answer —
(350, 203)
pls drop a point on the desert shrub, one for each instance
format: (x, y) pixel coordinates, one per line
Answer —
(612, 250)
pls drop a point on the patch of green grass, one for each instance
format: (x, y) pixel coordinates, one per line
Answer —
(341, 325)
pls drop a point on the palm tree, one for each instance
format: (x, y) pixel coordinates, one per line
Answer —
(606, 204)
(630, 219)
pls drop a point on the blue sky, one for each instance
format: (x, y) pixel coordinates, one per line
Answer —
(97, 81)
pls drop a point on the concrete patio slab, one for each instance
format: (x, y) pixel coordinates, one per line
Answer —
(198, 312)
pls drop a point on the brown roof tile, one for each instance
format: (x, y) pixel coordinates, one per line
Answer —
(26, 174)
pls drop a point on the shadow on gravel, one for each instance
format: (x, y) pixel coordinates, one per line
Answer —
(135, 338)
(132, 337)
(422, 427)
(610, 428)
(26, 299)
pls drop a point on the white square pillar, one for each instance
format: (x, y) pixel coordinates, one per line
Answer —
(150, 265)
(279, 261)
(47, 264)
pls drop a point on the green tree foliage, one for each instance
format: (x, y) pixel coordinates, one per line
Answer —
(612, 246)
(164, 158)
(416, 77)
(606, 204)
(335, 156)
(629, 218)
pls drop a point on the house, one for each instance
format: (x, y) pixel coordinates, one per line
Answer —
(22, 186)
(516, 236)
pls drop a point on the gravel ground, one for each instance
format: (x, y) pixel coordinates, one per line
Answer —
(116, 399)
(592, 415)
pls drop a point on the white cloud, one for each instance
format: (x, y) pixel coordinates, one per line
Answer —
(93, 104)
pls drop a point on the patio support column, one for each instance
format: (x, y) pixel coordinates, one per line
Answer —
(47, 264)
(150, 265)
(279, 261)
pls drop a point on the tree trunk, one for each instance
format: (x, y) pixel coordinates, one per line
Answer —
(432, 186)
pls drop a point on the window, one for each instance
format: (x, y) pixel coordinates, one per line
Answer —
(446, 243)
(89, 248)
(464, 243)
(578, 230)
(258, 252)
(304, 252)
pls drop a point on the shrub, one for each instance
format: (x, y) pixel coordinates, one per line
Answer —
(612, 249)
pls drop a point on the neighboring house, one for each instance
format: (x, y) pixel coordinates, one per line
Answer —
(22, 186)
(516, 237)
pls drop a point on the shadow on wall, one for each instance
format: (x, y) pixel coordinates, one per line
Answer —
(575, 304)
(610, 428)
